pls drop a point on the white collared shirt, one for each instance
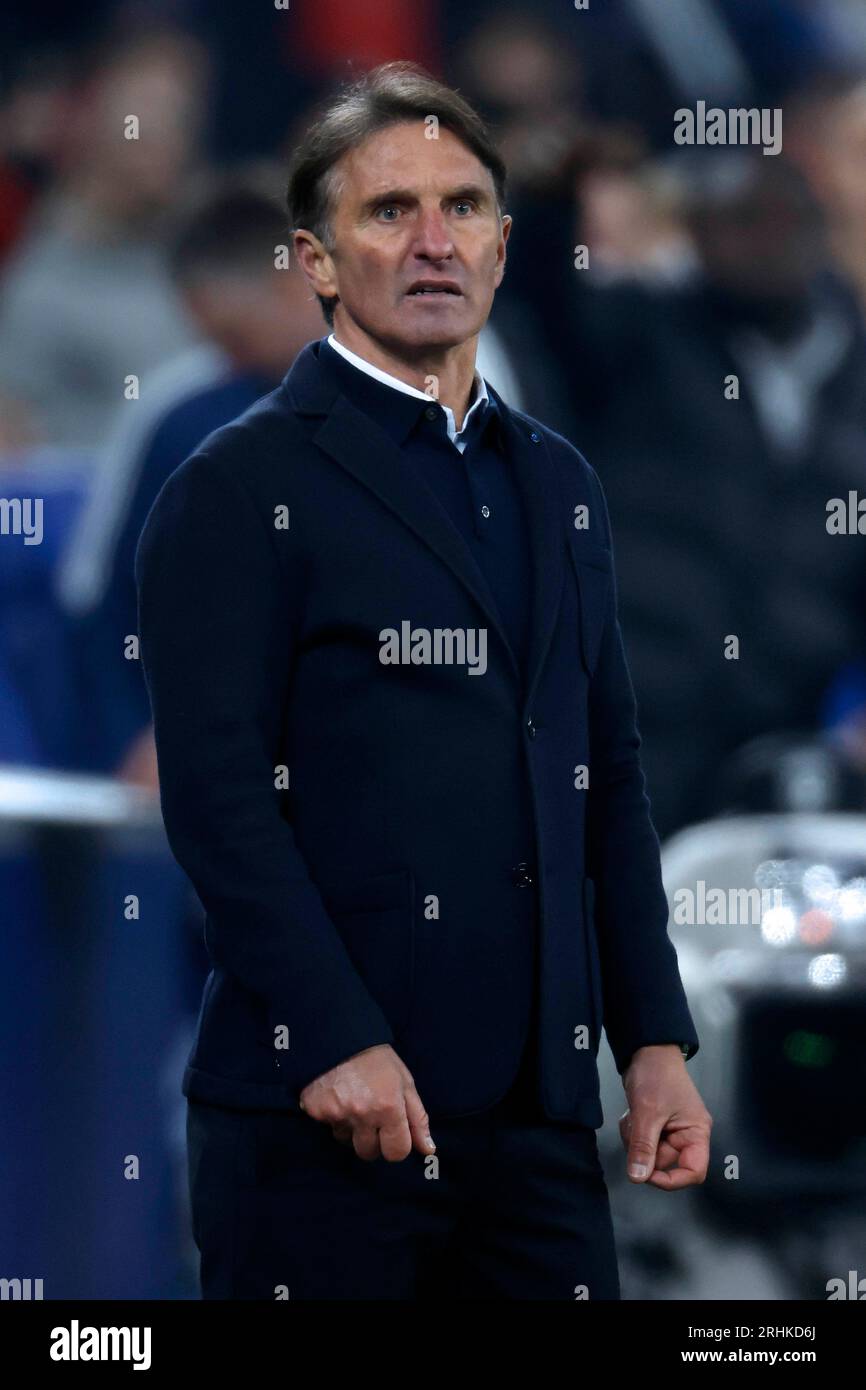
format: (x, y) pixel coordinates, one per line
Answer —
(457, 437)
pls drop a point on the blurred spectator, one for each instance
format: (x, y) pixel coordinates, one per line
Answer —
(826, 136)
(529, 86)
(526, 78)
(719, 501)
(255, 317)
(85, 300)
(32, 111)
(628, 216)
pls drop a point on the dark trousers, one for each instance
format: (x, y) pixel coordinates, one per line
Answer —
(510, 1206)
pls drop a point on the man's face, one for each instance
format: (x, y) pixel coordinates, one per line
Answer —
(412, 214)
(765, 243)
(260, 318)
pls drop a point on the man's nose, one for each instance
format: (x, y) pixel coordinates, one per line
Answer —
(433, 236)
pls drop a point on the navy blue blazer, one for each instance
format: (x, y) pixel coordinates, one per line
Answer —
(378, 847)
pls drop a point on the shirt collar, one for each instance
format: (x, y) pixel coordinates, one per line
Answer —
(399, 417)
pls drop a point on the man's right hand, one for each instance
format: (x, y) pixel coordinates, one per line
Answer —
(370, 1100)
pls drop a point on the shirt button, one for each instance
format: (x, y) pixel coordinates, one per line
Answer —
(530, 728)
(431, 412)
(521, 875)
(485, 511)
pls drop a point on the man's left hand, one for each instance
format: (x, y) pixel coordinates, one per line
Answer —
(666, 1129)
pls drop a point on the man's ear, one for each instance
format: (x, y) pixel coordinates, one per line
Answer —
(316, 262)
(500, 250)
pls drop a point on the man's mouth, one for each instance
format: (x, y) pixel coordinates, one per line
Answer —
(434, 290)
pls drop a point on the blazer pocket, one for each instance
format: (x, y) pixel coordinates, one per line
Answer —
(375, 917)
(594, 957)
(594, 573)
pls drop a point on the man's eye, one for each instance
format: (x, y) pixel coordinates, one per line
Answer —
(387, 207)
(464, 203)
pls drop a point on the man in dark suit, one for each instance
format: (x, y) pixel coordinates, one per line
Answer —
(398, 759)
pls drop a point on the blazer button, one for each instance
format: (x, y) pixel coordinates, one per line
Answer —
(521, 876)
(530, 728)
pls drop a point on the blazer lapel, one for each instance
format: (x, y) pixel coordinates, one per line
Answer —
(537, 481)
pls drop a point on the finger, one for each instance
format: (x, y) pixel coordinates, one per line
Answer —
(419, 1123)
(395, 1138)
(365, 1139)
(666, 1154)
(693, 1162)
(691, 1144)
(674, 1178)
(645, 1130)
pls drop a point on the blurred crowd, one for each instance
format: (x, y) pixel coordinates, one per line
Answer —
(142, 171)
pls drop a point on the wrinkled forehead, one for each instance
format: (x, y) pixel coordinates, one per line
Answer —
(412, 157)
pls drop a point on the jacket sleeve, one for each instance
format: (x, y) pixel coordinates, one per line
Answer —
(644, 999)
(216, 645)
